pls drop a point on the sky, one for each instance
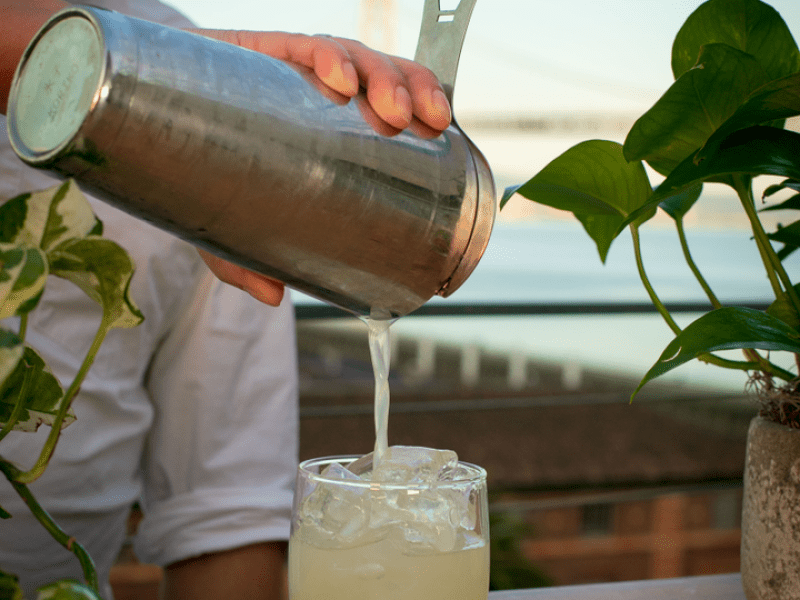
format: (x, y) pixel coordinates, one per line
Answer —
(519, 56)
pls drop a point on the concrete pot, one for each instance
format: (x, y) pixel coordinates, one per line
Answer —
(771, 512)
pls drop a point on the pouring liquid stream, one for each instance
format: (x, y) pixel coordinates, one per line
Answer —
(380, 353)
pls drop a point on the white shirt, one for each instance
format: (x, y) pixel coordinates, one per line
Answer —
(194, 412)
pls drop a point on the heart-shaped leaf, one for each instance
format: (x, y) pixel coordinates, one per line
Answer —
(753, 151)
(47, 218)
(594, 182)
(43, 394)
(23, 273)
(103, 270)
(692, 109)
(769, 104)
(747, 25)
(725, 329)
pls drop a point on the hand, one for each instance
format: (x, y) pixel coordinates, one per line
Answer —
(262, 288)
(397, 89)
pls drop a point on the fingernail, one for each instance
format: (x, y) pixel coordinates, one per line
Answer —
(402, 102)
(441, 104)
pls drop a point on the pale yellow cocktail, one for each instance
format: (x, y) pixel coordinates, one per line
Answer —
(375, 538)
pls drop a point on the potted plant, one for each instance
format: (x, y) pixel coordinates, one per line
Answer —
(737, 78)
(52, 232)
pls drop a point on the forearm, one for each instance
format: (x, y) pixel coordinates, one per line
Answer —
(19, 21)
(254, 572)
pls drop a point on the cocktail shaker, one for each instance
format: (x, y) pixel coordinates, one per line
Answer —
(256, 160)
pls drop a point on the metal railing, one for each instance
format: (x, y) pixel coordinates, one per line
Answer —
(496, 309)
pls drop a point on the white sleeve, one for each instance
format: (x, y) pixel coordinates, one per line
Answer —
(220, 461)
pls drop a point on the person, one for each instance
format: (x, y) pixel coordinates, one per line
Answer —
(194, 412)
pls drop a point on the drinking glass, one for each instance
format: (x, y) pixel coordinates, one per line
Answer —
(357, 539)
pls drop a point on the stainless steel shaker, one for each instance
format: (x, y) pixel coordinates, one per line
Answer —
(256, 160)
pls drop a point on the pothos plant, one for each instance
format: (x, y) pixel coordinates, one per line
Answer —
(52, 232)
(737, 78)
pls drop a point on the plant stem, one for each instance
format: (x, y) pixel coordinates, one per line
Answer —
(706, 358)
(693, 266)
(23, 326)
(19, 405)
(89, 571)
(637, 249)
(55, 430)
(762, 365)
(773, 265)
(750, 353)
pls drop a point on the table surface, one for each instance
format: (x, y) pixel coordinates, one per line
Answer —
(712, 587)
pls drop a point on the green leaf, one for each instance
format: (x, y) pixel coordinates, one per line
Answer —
(9, 586)
(594, 182)
(23, 273)
(103, 270)
(47, 218)
(725, 329)
(677, 205)
(786, 184)
(66, 590)
(692, 109)
(789, 235)
(792, 203)
(754, 151)
(774, 102)
(43, 398)
(4, 514)
(784, 310)
(747, 25)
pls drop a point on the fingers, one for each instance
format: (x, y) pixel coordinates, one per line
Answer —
(329, 60)
(262, 288)
(429, 101)
(397, 89)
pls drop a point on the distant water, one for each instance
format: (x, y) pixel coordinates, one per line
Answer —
(556, 262)
(553, 260)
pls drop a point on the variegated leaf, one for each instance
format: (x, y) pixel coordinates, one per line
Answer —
(23, 273)
(48, 218)
(11, 351)
(43, 396)
(103, 270)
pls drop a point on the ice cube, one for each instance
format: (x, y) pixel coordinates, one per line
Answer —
(414, 464)
(333, 512)
(427, 515)
(337, 470)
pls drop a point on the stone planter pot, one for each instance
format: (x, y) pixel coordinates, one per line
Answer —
(771, 513)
